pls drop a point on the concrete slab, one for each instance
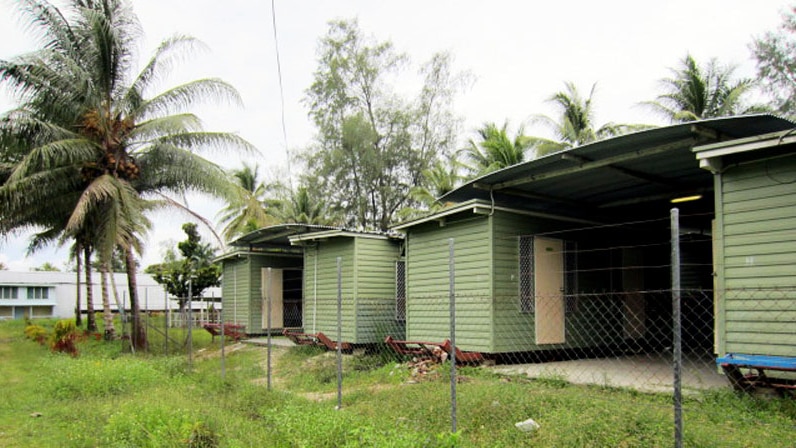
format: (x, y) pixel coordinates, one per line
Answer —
(277, 341)
(647, 373)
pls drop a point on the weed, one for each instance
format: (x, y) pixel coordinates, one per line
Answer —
(64, 337)
(36, 333)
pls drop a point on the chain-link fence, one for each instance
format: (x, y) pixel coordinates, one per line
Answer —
(631, 306)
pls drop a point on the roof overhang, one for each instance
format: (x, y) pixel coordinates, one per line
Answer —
(342, 233)
(617, 178)
(241, 253)
(482, 208)
(715, 157)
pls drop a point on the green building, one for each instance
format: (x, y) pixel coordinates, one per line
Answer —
(754, 243)
(572, 250)
(370, 263)
(260, 261)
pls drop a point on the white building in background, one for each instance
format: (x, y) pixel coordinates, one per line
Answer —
(53, 294)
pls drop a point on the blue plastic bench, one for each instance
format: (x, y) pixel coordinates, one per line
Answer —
(757, 366)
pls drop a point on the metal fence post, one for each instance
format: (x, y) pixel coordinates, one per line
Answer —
(268, 299)
(190, 323)
(339, 332)
(452, 356)
(676, 337)
(223, 354)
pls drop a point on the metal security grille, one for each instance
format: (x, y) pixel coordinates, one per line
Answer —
(527, 303)
(400, 291)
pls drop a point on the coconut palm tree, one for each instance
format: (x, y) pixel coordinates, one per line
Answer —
(697, 92)
(301, 206)
(495, 150)
(249, 213)
(574, 124)
(95, 148)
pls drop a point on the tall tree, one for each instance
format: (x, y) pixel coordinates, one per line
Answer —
(441, 178)
(90, 145)
(302, 206)
(495, 150)
(574, 122)
(249, 211)
(195, 271)
(775, 52)
(372, 145)
(695, 92)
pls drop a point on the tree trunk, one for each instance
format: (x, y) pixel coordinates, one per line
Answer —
(91, 323)
(119, 304)
(78, 311)
(107, 315)
(138, 334)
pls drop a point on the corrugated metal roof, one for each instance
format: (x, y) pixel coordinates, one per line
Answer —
(632, 171)
(278, 236)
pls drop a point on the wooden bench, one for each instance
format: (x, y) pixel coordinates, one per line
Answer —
(431, 350)
(317, 339)
(234, 331)
(757, 365)
(416, 349)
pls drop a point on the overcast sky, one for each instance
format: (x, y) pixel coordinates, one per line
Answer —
(519, 53)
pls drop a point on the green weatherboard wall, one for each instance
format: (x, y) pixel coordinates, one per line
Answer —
(755, 247)
(488, 314)
(368, 288)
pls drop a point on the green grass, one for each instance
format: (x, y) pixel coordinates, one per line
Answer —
(109, 397)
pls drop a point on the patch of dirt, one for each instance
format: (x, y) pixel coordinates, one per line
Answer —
(228, 350)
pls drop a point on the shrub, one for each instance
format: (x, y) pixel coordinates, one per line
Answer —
(64, 337)
(36, 333)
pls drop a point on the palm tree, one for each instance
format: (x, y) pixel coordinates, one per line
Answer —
(697, 92)
(249, 213)
(495, 149)
(95, 147)
(438, 180)
(301, 206)
(574, 124)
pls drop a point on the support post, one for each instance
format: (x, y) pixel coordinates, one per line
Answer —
(339, 333)
(268, 312)
(452, 355)
(677, 348)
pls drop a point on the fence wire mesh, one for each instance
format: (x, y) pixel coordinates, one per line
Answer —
(589, 306)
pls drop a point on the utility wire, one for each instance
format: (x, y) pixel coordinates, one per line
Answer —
(281, 94)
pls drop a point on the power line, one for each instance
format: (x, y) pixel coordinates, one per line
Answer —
(281, 93)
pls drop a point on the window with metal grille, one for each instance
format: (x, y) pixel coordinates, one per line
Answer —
(400, 291)
(9, 292)
(527, 301)
(38, 292)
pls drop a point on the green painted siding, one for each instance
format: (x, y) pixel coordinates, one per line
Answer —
(427, 275)
(320, 287)
(756, 296)
(233, 287)
(368, 288)
(488, 314)
(375, 290)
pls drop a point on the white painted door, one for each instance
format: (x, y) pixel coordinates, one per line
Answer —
(548, 254)
(272, 285)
